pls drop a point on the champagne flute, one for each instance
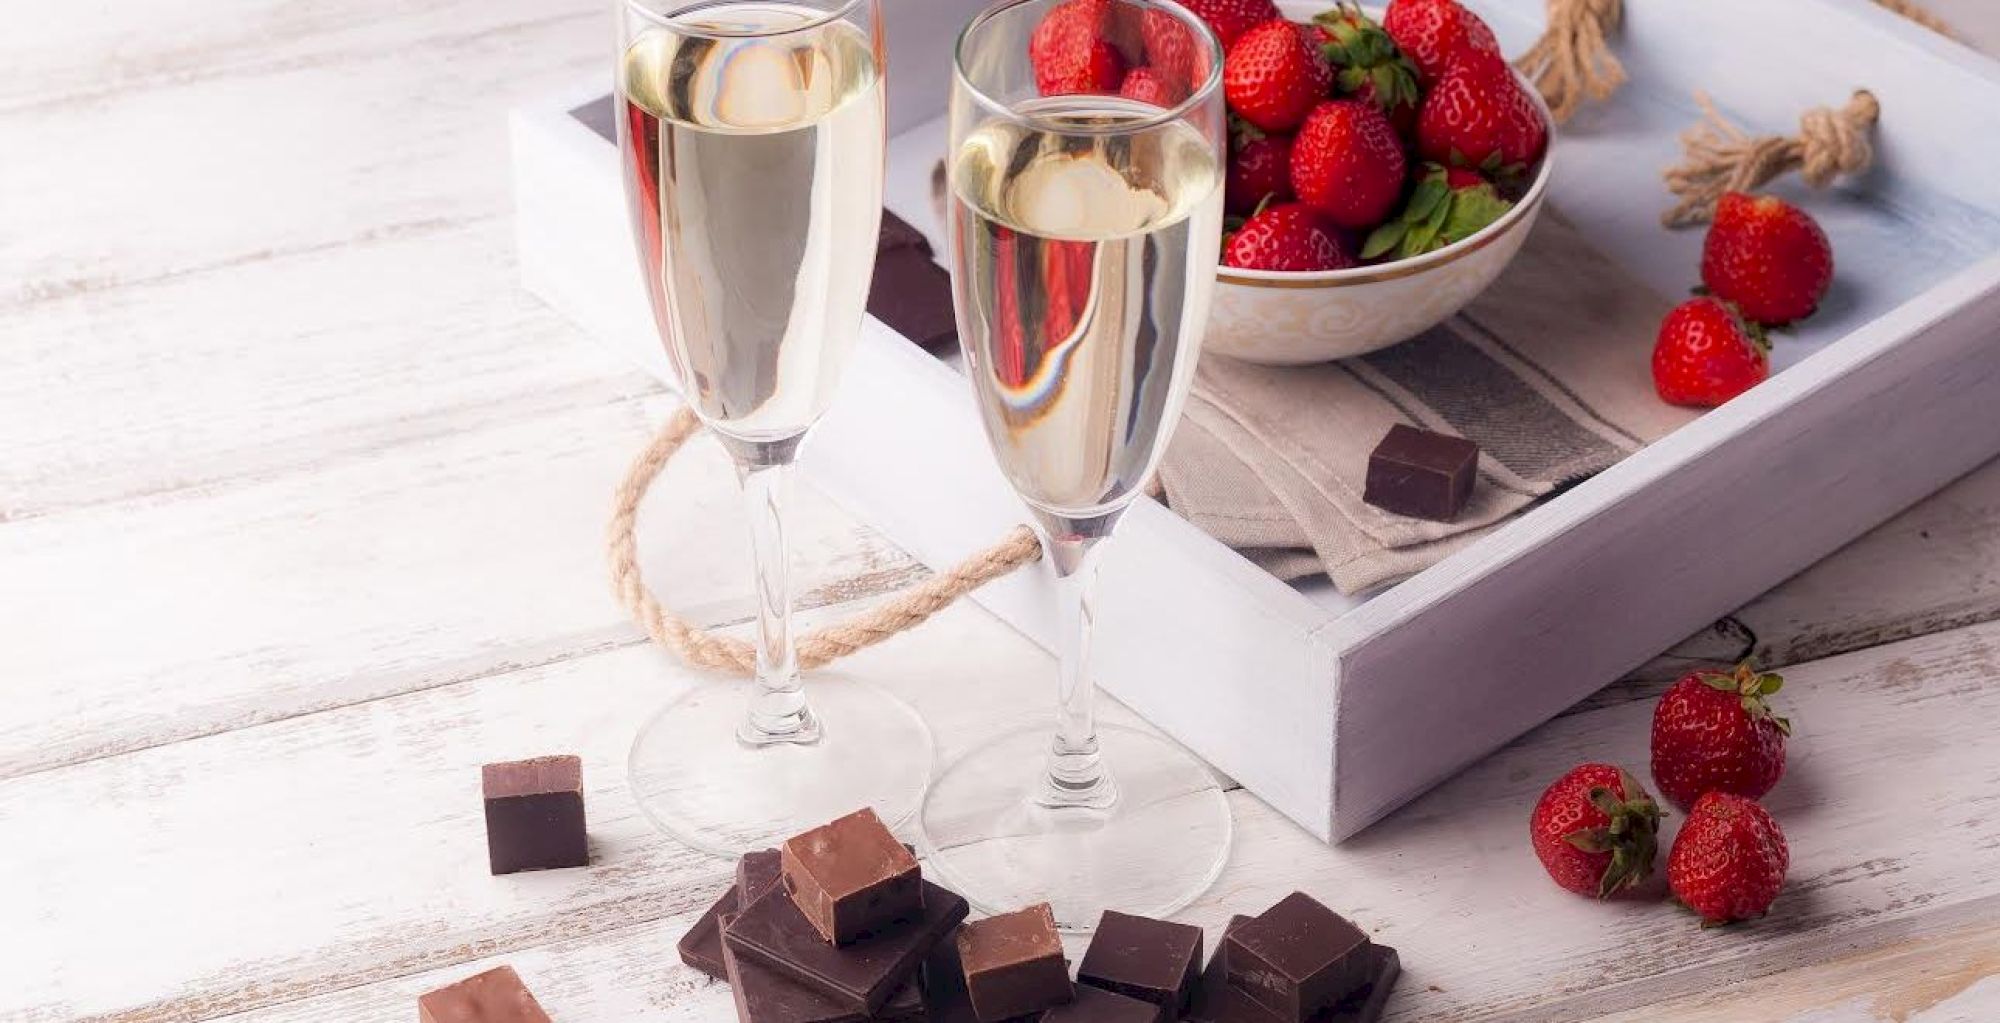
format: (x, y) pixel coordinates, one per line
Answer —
(752, 136)
(1084, 232)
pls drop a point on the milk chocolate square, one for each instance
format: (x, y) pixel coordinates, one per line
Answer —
(1014, 964)
(864, 974)
(851, 876)
(1421, 474)
(1155, 961)
(1297, 958)
(534, 814)
(496, 996)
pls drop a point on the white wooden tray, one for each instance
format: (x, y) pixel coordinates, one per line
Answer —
(1336, 710)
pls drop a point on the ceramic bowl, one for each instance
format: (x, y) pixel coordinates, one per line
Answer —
(1296, 318)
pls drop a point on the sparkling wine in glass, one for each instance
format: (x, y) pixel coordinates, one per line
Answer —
(1084, 232)
(752, 137)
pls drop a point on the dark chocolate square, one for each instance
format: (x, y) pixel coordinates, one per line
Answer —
(944, 985)
(1014, 964)
(756, 873)
(496, 996)
(1155, 961)
(1421, 474)
(1096, 1005)
(701, 946)
(1297, 957)
(764, 995)
(911, 294)
(534, 814)
(898, 233)
(1218, 1001)
(864, 974)
(850, 877)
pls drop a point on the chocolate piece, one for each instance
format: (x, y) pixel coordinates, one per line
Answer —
(944, 985)
(851, 877)
(756, 873)
(1014, 964)
(701, 946)
(1217, 1001)
(764, 995)
(1297, 958)
(496, 996)
(1152, 960)
(534, 814)
(1421, 474)
(912, 295)
(1096, 1005)
(898, 233)
(862, 975)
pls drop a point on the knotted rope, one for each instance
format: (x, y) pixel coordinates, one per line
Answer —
(1723, 158)
(1916, 12)
(702, 649)
(1572, 60)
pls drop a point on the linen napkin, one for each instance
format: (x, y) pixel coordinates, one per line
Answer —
(1548, 371)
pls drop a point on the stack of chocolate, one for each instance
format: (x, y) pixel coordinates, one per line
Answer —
(1296, 962)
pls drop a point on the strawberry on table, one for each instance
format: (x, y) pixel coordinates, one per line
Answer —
(1231, 18)
(1072, 53)
(1767, 256)
(1707, 354)
(1368, 66)
(1348, 163)
(1436, 33)
(1478, 115)
(1291, 237)
(1148, 85)
(1729, 860)
(1595, 830)
(1273, 76)
(1449, 204)
(1259, 172)
(1713, 731)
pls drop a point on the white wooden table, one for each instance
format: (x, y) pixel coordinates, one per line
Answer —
(301, 502)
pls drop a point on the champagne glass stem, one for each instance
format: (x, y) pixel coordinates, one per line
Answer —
(778, 711)
(1076, 776)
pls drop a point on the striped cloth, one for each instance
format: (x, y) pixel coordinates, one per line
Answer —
(1548, 371)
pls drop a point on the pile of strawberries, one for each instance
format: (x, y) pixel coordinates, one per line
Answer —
(1765, 263)
(1351, 141)
(1717, 749)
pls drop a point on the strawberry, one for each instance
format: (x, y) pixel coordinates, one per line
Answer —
(1714, 732)
(1707, 354)
(1170, 49)
(1348, 163)
(1729, 860)
(1478, 115)
(1071, 51)
(1260, 171)
(1436, 33)
(1148, 85)
(1231, 18)
(1291, 237)
(1449, 204)
(1273, 76)
(1367, 64)
(1767, 256)
(1595, 830)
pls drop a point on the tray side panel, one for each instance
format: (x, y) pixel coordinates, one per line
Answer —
(1862, 431)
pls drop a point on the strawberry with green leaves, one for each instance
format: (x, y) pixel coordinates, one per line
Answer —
(1435, 34)
(1273, 76)
(1595, 830)
(1478, 115)
(1348, 163)
(1449, 204)
(1368, 66)
(1707, 353)
(1291, 237)
(1767, 256)
(1714, 731)
(1729, 861)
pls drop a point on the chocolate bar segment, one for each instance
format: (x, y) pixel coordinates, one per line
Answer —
(1421, 474)
(851, 877)
(1014, 964)
(899, 234)
(1297, 957)
(944, 985)
(862, 975)
(764, 995)
(1096, 1005)
(534, 814)
(1218, 1001)
(756, 873)
(912, 295)
(701, 946)
(1155, 961)
(496, 996)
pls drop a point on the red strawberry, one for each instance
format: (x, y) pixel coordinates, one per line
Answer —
(1231, 18)
(1272, 76)
(1594, 830)
(1348, 163)
(1291, 237)
(1072, 53)
(1729, 860)
(1478, 115)
(1767, 256)
(1436, 33)
(1171, 50)
(1449, 204)
(1707, 354)
(1261, 170)
(1367, 65)
(1148, 85)
(1713, 732)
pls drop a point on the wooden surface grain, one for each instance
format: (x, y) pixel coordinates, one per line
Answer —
(301, 512)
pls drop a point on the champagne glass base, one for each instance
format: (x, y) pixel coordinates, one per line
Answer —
(1160, 846)
(696, 781)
